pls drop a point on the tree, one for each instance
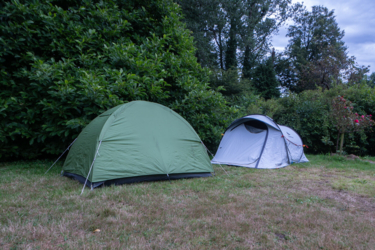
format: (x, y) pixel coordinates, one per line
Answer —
(234, 36)
(64, 62)
(265, 81)
(316, 53)
(235, 28)
(231, 52)
(200, 17)
(261, 19)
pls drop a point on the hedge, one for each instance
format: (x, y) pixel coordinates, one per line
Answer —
(64, 62)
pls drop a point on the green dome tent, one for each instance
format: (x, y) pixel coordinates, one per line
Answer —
(136, 141)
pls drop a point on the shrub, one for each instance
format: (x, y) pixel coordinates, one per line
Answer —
(345, 121)
(309, 114)
(64, 62)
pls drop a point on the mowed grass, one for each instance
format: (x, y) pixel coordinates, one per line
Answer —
(328, 203)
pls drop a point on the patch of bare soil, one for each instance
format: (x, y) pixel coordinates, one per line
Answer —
(349, 201)
(354, 157)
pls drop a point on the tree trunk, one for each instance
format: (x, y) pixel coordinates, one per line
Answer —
(341, 142)
(221, 52)
(337, 142)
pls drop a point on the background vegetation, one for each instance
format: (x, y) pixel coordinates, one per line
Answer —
(310, 114)
(294, 87)
(64, 62)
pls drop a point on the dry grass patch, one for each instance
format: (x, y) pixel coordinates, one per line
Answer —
(328, 203)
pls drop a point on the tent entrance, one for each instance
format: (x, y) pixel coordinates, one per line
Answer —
(231, 150)
(255, 126)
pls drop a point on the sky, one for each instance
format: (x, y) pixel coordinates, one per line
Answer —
(356, 18)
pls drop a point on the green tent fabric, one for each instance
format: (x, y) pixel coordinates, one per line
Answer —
(137, 141)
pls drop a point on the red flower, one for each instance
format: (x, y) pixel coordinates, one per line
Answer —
(356, 121)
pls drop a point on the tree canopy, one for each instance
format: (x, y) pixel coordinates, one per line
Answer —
(234, 35)
(228, 30)
(316, 54)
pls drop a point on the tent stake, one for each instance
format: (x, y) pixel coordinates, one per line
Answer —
(84, 185)
(169, 179)
(61, 155)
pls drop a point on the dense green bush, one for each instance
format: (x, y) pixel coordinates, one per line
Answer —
(63, 62)
(309, 114)
(363, 97)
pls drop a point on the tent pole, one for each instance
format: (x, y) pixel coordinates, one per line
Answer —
(264, 145)
(61, 155)
(84, 185)
(214, 156)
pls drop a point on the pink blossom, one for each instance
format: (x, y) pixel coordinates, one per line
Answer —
(344, 107)
(356, 114)
(363, 116)
(356, 121)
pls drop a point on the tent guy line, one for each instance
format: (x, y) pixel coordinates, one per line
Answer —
(61, 155)
(214, 157)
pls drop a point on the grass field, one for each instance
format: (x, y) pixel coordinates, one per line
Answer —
(328, 203)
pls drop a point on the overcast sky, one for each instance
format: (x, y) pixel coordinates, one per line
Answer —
(356, 18)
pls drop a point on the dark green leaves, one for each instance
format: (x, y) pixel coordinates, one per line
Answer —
(64, 62)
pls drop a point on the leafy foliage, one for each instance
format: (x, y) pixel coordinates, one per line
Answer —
(228, 82)
(371, 80)
(346, 121)
(64, 62)
(265, 80)
(310, 114)
(234, 35)
(316, 54)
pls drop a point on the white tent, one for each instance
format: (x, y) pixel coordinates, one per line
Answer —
(256, 141)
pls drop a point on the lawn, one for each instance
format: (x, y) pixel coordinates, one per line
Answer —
(328, 203)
